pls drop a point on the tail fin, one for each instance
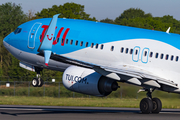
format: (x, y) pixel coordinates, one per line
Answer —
(168, 30)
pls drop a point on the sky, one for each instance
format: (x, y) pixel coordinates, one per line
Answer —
(101, 9)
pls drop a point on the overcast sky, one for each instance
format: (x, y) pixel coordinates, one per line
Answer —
(102, 9)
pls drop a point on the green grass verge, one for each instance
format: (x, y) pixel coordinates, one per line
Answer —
(91, 102)
(23, 94)
(56, 90)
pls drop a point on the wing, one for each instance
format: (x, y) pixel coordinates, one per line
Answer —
(136, 76)
(125, 73)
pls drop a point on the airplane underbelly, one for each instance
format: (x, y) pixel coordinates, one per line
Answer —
(34, 59)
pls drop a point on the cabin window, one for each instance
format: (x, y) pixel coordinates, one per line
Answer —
(136, 52)
(162, 55)
(127, 50)
(172, 57)
(66, 41)
(71, 42)
(61, 40)
(145, 53)
(122, 50)
(81, 44)
(57, 40)
(102, 46)
(177, 58)
(151, 54)
(92, 44)
(131, 51)
(97, 46)
(112, 48)
(76, 42)
(157, 55)
(86, 44)
(167, 57)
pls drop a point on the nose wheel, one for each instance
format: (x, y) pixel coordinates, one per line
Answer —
(150, 105)
(38, 81)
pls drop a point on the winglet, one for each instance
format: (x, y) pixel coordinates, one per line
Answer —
(46, 44)
(168, 30)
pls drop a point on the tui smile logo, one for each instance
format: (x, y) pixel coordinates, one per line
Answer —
(49, 37)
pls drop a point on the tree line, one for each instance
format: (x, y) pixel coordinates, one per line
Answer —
(11, 16)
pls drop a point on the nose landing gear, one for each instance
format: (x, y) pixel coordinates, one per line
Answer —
(149, 104)
(38, 81)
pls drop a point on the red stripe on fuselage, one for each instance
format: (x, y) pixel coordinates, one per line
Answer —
(64, 36)
(43, 32)
(58, 35)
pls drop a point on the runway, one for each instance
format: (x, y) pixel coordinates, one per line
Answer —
(18, 112)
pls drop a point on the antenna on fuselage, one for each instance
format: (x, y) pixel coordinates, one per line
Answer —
(168, 30)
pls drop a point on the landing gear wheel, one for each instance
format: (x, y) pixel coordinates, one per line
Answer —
(157, 105)
(146, 106)
(41, 82)
(35, 82)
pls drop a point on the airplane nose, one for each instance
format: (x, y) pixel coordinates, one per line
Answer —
(5, 43)
(7, 40)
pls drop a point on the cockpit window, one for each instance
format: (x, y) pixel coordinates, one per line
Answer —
(18, 30)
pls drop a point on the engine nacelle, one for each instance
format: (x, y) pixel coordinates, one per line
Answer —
(88, 81)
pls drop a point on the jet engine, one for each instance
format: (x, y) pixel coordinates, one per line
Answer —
(88, 81)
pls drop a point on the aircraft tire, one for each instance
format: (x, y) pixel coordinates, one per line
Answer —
(35, 82)
(146, 106)
(41, 82)
(157, 105)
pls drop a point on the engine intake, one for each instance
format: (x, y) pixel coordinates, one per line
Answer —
(88, 81)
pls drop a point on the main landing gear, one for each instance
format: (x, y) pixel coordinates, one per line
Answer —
(38, 81)
(149, 104)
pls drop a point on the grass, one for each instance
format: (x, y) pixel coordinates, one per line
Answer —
(21, 93)
(56, 90)
(90, 102)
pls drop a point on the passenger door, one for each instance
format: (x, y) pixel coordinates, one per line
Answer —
(144, 56)
(32, 35)
(135, 55)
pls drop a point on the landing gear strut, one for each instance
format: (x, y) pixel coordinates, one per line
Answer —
(149, 104)
(38, 81)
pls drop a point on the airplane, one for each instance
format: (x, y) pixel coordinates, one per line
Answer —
(96, 56)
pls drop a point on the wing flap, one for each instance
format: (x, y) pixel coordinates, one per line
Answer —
(141, 74)
(172, 84)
